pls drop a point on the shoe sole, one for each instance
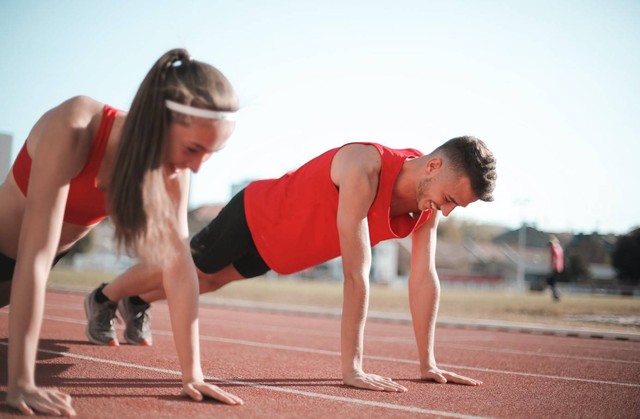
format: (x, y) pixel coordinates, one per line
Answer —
(143, 342)
(112, 342)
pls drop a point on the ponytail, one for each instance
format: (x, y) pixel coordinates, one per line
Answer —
(140, 206)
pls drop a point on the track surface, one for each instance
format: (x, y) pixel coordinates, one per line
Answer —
(284, 365)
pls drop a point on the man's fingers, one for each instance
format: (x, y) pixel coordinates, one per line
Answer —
(189, 390)
(377, 383)
(198, 391)
(389, 385)
(371, 386)
(217, 393)
(443, 377)
(437, 377)
(460, 379)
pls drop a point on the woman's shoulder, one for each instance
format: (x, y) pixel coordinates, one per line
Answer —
(78, 111)
(74, 118)
(69, 127)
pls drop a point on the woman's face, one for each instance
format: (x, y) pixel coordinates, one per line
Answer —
(189, 145)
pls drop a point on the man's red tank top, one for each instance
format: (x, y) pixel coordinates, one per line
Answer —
(85, 203)
(293, 219)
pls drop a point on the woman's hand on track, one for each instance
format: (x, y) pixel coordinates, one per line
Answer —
(49, 401)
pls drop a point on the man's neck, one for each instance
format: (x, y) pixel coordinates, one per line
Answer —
(403, 197)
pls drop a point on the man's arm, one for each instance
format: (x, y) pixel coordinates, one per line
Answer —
(424, 298)
(355, 171)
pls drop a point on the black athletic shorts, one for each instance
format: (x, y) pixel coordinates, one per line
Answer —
(8, 265)
(227, 241)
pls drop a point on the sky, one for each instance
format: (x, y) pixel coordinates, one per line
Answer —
(552, 87)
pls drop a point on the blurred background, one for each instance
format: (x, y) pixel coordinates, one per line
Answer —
(551, 87)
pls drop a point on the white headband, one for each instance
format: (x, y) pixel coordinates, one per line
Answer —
(199, 112)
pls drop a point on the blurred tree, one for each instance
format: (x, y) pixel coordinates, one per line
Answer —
(626, 257)
(84, 245)
(591, 247)
(455, 230)
(482, 232)
(576, 268)
(450, 229)
(582, 251)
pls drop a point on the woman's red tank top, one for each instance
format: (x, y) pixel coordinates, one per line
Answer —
(85, 203)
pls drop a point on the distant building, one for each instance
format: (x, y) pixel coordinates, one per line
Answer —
(6, 145)
(237, 187)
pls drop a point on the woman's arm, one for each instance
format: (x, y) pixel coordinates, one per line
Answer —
(180, 282)
(59, 152)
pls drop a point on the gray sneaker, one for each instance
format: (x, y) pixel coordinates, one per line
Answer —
(137, 321)
(100, 317)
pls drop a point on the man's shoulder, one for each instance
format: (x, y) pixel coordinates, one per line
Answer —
(364, 156)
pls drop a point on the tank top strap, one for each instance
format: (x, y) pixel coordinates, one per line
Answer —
(100, 142)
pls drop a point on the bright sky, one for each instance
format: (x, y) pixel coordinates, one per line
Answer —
(553, 87)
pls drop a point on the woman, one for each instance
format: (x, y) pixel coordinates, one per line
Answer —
(83, 160)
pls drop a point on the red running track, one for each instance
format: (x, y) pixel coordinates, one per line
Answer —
(286, 365)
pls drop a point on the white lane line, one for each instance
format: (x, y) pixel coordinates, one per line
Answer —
(448, 343)
(540, 354)
(374, 357)
(402, 408)
(411, 341)
(226, 306)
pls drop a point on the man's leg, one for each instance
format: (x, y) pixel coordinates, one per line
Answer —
(208, 283)
(553, 285)
(120, 294)
(5, 293)
(134, 310)
(137, 280)
(224, 244)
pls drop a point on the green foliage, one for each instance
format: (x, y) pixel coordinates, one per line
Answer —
(84, 245)
(626, 257)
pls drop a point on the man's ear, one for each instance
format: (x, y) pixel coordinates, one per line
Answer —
(433, 165)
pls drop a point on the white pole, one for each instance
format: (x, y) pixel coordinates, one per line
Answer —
(522, 242)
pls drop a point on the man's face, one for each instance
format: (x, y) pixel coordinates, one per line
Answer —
(443, 189)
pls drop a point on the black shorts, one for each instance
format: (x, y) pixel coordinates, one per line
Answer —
(8, 265)
(227, 241)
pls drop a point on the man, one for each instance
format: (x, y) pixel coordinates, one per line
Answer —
(556, 264)
(341, 203)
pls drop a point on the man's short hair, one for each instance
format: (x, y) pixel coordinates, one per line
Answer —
(473, 158)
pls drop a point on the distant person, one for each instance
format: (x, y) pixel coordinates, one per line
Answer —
(83, 160)
(341, 203)
(556, 265)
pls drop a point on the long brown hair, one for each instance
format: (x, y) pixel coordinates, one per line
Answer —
(139, 203)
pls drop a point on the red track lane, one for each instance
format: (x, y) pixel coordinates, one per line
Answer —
(286, 365)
